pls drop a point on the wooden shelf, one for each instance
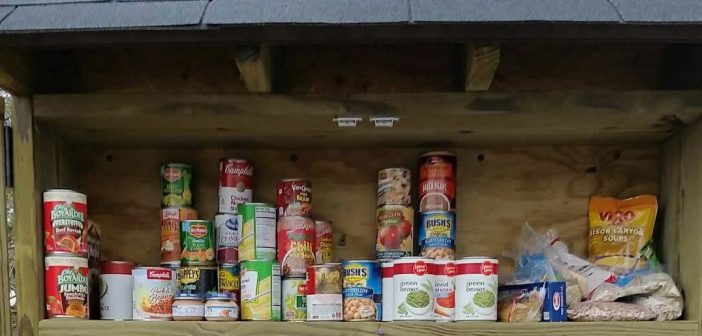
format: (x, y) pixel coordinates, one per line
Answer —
(110, 328)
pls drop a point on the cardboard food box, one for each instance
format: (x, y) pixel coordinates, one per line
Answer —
(514, 302)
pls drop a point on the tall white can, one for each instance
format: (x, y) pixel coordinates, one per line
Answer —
(413, 289)
(387, 273)
(444, 290)
(116, 283)
(476, 289)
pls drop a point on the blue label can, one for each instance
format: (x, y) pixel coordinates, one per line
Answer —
(437, 234)
(362, 287)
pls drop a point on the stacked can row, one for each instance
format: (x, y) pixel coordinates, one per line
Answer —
(394, 215)
(437, 205)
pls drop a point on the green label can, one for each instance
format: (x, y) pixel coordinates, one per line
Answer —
(260, 290)
(176, 185)
(294, 299)
(197, 243)
(257, 231)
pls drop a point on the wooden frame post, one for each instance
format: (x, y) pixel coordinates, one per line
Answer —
(5, 317)
(482, 61)
(254, 65)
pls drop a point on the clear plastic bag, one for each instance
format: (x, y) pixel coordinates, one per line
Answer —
(590, 311)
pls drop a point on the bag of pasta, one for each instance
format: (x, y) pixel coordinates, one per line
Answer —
(620, 230)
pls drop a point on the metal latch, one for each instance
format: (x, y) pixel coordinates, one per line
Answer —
(384, 121)
(347, 121)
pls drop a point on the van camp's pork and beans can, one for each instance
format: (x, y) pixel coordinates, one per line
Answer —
(258, 231)
(227, 232)
(66, 286)
(228, 280)
(294, 198)
(362, 290)
(476, 289)
(394, 186)
(388, 291)
(197, 242)
(294, 299)
(437, 181)
(295, 245)
(65, 222)
(153, 293)
(323, 242)
(176, 185)
(260, 290)
(196, 280)
(437, 234)
(116, 284)
(444, 290)
(235, 184)
(413, 285)
(170, 233)
(395, 226)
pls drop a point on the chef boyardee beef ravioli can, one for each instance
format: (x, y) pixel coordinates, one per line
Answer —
(65, 222)
(362, 290)
(437, 234)
(476, 289)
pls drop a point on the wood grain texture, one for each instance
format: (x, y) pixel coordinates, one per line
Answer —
(254, 65)
(17, 71)
(118, 328)
(440, 119)
(5, 318)
(669, 228)
(482, 61)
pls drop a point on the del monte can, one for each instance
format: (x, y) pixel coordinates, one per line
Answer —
(197, 243)
(176, 185)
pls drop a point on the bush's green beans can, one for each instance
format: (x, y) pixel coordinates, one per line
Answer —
(197, 243)
(260, 290)
(295, 299)
(257, 231)
(176, 185)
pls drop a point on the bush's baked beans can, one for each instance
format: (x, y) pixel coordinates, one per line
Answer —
(176, 185)
(388, 291)
(395, 226)
(413, 287)
(153, 293)
(65, 222)
(324, 307)
(437, 234)
(323, 242)
(227, 232)
(228, 280)
(437, 181)
(170, 233)
(444, 290)
(324, 279)
(66, 286)
(295, 245)
(116, 284)
(235, 184)
(195, 280)
(394, 186)
(294, 299)
(476, 289)
(362, 290)
(294, 198)
(260, 290)
(197, 243)
(257, 231)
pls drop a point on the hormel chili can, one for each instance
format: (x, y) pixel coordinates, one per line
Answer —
(294, 198)
(476, 289)
(437, 181)
(65, 222)
(323, 242)
(444, 290)
(413, 288)
(66, 286)
(295, 245)
(235, 184)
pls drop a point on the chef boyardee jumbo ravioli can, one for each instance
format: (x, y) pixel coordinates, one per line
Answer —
(260, 290)
(362, 286)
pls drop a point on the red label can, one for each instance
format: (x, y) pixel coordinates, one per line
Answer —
(324, 279)
(66, 286)
(323, 242)
(65, 222)
(295, 245)
(437, 181)
(235, 184)
(294, 198)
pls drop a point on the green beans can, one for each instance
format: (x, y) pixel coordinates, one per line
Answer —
(260, 290)
(257, 231)
(295, 299)
(197, 243)
(176, 185)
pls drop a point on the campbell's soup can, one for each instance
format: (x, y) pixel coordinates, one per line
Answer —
(153, 293)
(362, 290)
(394, 186)
(323, 242)
(387, 273)
(294, 299)
(324, 279)
(227, 232)
(66, 286)
(395, 226)
(444, 290)
(116, 284)
(260, 290)
(257, 231)
(176, 185)
(413, 289)
(228, 280)
(235, 184)
(437, 234)
(295, 245)
(65, 222)
(170, 233)
(437, 181)
(476, 289)
(294, 198)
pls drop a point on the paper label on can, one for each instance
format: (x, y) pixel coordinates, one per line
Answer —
(324, 307)
(65, 226)
(189, 310)
(444, 291)
(257, 234)
(413, 290)
(294, 300)
(476, 291)
(114, 304)
(260, 290)
(154, 291)
(231, 197)
(228, 312)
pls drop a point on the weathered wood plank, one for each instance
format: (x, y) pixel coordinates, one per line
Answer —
(425, 119)
(254, 65)
(16, 71)
(107, 328)
(669, 230)
(5, 318)
(482, 60)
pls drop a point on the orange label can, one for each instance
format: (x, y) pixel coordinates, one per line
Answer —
(170, 233)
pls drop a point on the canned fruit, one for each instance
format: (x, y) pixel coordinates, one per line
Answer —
(437, 234)
(176, 188)
(295, 244)
(65, 222)
(257, 231)
(294, 299)
(413, 286)
(294, 198)
(260, 290)
(196, 280)
(323, 242)
(394, 186)
(197, 243)
(66, 286)
(444, 290)
(227, 238)
(170, 233)
(324, 307)
(437, 181)
(153, 293)
(228, 280)
(476, 289)
(362, 290)
(324, 279)
(395, 223)
(235, 184)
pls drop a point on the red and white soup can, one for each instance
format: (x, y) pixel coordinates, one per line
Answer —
(235, 184)
(413, 289)
(323, 242)
(476, 289)
(295, 245)
(387, 271)
(437, 181)
(444, 290)
(294, 198)
(116, 290)
(66, 286)
(153, 293)
(65, 222)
